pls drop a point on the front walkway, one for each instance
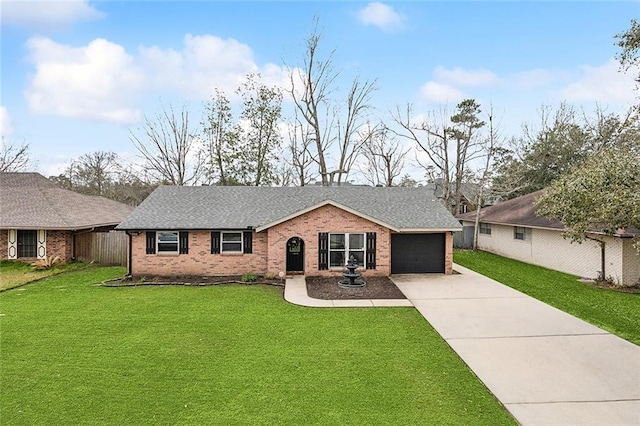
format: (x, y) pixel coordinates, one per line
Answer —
(544, 365)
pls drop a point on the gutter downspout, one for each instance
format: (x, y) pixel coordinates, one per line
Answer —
(602, 256)
(130, 250)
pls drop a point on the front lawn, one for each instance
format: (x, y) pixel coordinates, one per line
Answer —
(76, 353)
(614, 311)
(14, 273)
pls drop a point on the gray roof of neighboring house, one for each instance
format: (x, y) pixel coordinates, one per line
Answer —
(31, 201)
(217, 207)
(519, 211)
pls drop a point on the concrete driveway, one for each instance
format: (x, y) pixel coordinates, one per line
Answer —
(544, 365)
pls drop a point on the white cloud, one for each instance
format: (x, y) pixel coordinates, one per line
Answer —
(535, 78)
(440, 92)
(204, 63)
(466, 78)
(381, 15)
(6, 128)
(47, 12)
(103, 81)
(604, 84)
(96, 81)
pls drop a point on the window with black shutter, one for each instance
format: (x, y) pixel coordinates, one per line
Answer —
(247, 236)
(323, 251)
(371, 250)
(151, 242)
(215, 242)
(184, 242)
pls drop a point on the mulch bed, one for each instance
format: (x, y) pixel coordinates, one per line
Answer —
(317, 287)
(188, 280)
(376, 288)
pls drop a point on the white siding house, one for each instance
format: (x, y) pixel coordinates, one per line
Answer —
(512, 229)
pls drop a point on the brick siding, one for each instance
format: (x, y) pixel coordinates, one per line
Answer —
(199, 260)
(325, 219)
(270, 249)
(59, 243)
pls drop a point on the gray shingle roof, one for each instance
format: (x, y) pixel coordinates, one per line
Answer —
(517, 211)
(214, 207)
(31, 201)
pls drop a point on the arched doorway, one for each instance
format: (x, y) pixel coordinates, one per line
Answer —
(295, 255)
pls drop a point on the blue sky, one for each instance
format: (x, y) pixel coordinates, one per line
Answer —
(77, 76)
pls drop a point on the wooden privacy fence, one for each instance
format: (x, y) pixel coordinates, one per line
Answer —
(105, 248)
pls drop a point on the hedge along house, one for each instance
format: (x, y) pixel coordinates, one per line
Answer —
(38, 218)
(210, 230)
(513, 229)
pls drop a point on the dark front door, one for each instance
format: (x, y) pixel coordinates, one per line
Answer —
(295, 255)
(417, 253)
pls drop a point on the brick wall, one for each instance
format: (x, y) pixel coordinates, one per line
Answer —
(270, 249)
(325, 219)
(199, 260)
(4, 243)
(448, 255)
(59, 243)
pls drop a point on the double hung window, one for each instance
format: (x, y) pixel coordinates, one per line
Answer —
(343, 246)
(167, 242)
(232, 242)
(521, 233)
(485, 228)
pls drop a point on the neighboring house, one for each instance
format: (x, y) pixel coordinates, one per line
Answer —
(213, 230)
(38, 218)
(513, 229)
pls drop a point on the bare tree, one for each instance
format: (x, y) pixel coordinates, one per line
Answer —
(94, 173)
(451, 143)
(300, 141)
(353, 134)
(492, 147)
(384, 158)
(13, 157)
(168, 148)
(312, 86)
(431, 136)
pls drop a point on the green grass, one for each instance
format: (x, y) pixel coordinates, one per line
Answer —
(14, 274)
(76, 353)
(614, 311)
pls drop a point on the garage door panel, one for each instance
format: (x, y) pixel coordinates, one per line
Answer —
(417, 253)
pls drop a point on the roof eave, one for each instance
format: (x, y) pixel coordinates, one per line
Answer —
(322, 204)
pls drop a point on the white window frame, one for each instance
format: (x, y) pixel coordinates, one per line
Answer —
(348, 249)
(522, 230)
(484, 228)
(222, 242)
(158, 242)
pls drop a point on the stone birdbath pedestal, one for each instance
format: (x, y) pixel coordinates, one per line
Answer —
(351, 275)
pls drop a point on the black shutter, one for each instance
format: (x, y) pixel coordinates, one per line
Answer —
(215, 242)
(151, 242)
(247, 237)
(183, 239)
(323, 251)
(371, 250)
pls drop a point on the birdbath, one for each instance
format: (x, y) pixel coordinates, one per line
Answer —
(351, 275)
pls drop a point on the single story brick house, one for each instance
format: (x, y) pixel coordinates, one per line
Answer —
(513, 229)
(38, 218)
(211, 230)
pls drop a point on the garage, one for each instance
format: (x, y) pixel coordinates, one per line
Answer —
(417, 253)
